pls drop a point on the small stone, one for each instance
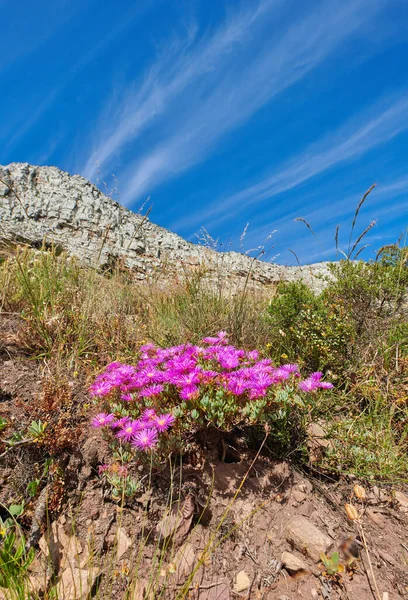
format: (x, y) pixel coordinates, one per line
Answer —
(376, 518)
(317, 442)
(306, 487)
(137, 591)
(306, 537)
(292, 562)
(298, 496)
(124, 542)
(402, 500)
(386, 557)
(177, 524)
(242, 582)
(184, 561)
(306, 509)
(218, 591)
(76, 584)
(39, 574)
(318, 434)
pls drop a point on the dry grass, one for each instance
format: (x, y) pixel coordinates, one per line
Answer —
(84, 317)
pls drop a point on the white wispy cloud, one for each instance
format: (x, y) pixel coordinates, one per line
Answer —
(204, 88)
(181, 63)
(388, 199)
(376, 126)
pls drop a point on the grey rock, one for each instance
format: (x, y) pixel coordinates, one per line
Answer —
(298, 496)
(306, 509)
(123, 542)
(293, 563)
(402, 500)
(306, 537)
(45, 203)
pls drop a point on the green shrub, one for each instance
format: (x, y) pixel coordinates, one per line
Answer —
(309, 328)
(370, 442)
(372, 293)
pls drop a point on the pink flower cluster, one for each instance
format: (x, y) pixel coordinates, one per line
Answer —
(185, 371)
(142, 433)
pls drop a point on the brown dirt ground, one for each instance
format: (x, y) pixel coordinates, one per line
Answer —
(250, 539)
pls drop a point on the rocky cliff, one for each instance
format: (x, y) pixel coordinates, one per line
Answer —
(45, 203)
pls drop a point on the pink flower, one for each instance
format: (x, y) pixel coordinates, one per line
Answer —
(163, 422)
(281, 374)
(209, 374)
(102, 420)
(210, 340)
(190, 378)
(120, 422)
(313, 382)
(126, 397)
(290, 368)
(309, 385)
(152, 375)
(237, 385)
(145, 439)
(147, 348)
(100, 388)
(129, 429)
(258, 392)
(102, 469)
(262, 380)
(113, 365)
(148, 417)
(265, 362)
(325, 385)
(228, 360)
(188, 392)
(221, 338)
(151, 390)
(316, 376)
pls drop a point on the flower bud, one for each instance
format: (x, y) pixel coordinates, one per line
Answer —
(360, 492)
(352, 512)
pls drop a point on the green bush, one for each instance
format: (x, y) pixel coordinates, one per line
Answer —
(372, 293)
(312, 329)
(362, 312)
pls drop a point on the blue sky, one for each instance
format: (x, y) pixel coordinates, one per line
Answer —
(219, 113)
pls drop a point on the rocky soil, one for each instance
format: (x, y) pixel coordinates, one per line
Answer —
(266, 543)
(44, 203)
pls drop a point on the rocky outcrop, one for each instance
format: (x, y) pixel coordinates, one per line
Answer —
(40, 204)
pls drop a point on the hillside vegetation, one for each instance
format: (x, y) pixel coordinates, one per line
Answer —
(67, 323)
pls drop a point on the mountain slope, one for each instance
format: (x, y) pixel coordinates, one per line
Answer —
(38, 203)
